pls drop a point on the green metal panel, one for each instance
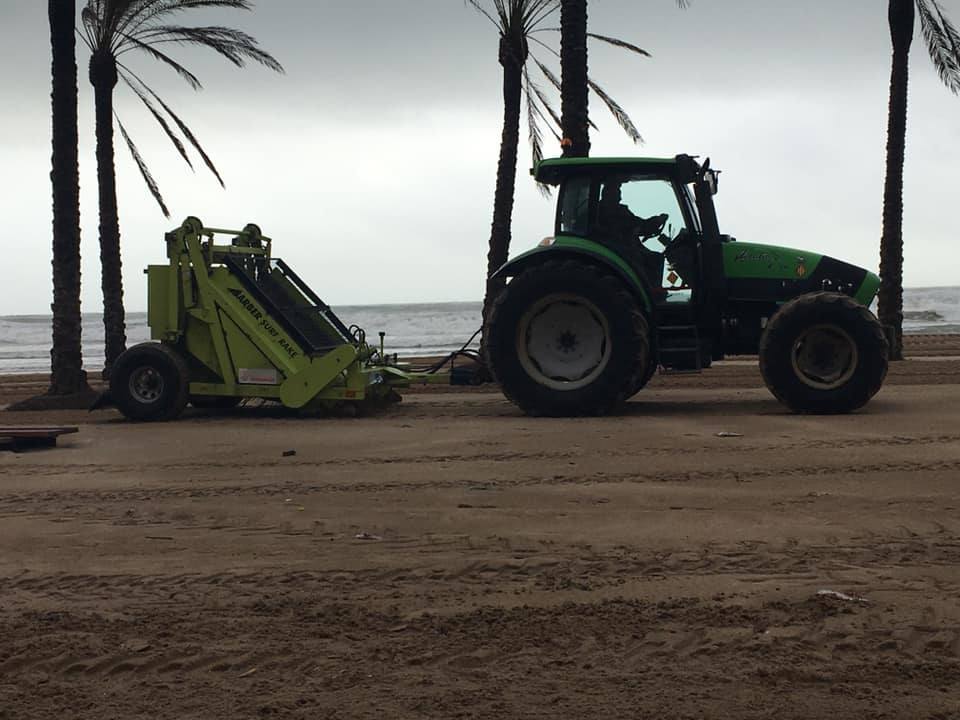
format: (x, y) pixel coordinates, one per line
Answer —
(581, 246)
(199, 343)
(301, 388)
(868, 289)
(254, 322)
(243, 352)
(743, 260)
(162, 315)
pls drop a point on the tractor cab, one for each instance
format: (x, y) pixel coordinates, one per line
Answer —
(653, 213)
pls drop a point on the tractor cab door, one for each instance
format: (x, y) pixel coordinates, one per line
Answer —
(651, 221)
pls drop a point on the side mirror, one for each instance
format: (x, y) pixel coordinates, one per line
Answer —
(711, 178)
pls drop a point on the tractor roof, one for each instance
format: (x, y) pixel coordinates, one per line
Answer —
(554, 170)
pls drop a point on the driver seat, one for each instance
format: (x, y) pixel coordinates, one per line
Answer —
(681, 253)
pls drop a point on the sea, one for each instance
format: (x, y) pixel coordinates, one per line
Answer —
(411, 330)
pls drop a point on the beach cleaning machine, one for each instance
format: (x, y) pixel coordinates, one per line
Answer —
(230, 322)
(636, 278)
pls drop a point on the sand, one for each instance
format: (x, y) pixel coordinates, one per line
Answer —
(450, 558)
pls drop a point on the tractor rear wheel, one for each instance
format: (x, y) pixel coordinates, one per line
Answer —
(149, 382)
(565, 338)
(823, 353)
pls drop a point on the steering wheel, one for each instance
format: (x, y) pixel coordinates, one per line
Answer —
(647, 229)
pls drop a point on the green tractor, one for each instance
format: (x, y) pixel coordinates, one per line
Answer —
(638, 276)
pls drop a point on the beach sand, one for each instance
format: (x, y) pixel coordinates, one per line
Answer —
(703, 554)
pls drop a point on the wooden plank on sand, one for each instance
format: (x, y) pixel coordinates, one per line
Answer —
(21, 438)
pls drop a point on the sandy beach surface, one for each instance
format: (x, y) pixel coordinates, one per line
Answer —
(703, 554)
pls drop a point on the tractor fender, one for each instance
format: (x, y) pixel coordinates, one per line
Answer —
(584, 250)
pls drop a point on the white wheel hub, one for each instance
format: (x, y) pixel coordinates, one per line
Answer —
(563, 341)
(825, 357)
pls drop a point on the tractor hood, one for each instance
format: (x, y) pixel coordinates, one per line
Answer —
(765, 272)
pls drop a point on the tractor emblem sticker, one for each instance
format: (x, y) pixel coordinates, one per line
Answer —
(801, 268)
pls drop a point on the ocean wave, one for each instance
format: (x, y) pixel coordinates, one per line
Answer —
(923, 316)
(42, 320)
(948, 329)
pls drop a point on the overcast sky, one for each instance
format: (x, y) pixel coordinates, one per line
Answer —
(372, 161)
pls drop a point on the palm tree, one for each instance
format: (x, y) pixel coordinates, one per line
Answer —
(111, 29)
(66, 362)
(574, 92)
(943, 45)
(574, 80)
(517, 21)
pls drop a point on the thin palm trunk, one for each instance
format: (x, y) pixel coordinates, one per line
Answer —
(573, 84)
(890, 302)
(66, 362)
(103, 77)
(512, 61)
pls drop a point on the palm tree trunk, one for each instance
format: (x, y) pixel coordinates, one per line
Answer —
(66, 360)
(890, 303)
(574, 96)
(103, 77)
(512, 61)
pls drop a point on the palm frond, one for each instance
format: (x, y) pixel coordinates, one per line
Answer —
(151, 10)
(548, 74)
(516, 18)
(616, 42)
(144, 170)
(188, 134)
(191, 79)
(234, 45)
(520, 21)
(534, 135)
(547, 107)
(943, 42)
(555, 81)
(131, 81)
(623, 120)
(475, 4)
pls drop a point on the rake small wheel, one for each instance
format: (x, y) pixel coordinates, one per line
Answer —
(149, 382)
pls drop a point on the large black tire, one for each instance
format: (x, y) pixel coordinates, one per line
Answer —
(646, 377)
(565, 338)
(823, 353)
(149, 382)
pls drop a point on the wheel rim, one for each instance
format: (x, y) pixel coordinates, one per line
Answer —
(825, 357)
(146, 384)
(564, 342)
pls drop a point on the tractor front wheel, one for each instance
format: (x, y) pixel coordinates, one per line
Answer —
(823, 353)
(149, 382)
(565, 338)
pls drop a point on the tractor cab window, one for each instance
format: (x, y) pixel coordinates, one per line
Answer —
(646, 207)
(575, 207)
(644, 213)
